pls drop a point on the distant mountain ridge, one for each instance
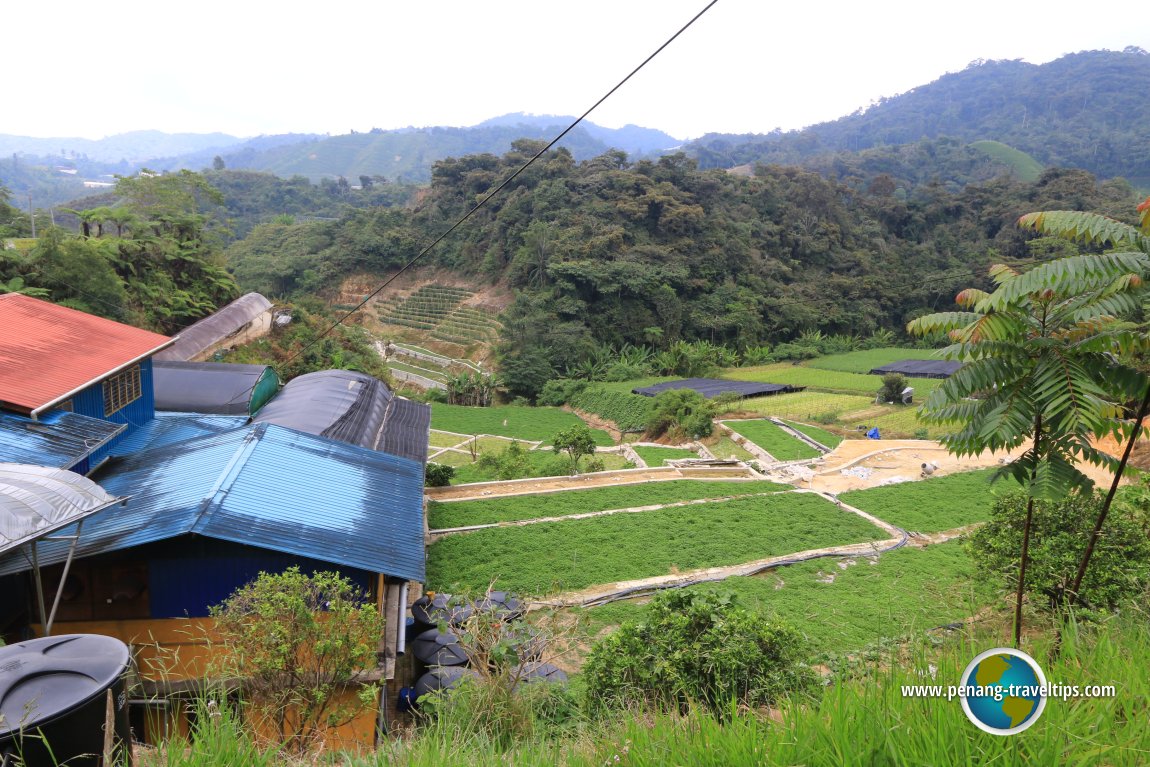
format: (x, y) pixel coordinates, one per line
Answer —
(133, 147)
(1086, 110)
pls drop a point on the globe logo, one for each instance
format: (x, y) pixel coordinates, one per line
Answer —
(1005, 691)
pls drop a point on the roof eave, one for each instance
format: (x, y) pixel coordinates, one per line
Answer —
(36, 411)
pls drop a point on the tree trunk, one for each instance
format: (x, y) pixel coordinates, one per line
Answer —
(1022, 573)
(1098, 523)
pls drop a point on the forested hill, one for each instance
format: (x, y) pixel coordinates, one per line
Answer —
(1085, 110)
(611, 252)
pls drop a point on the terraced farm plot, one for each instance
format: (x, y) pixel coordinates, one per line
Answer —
(774, 440)
(427, 372)
(822, 436)
(932, 504)
(725, 448)
(541, 463)
(907, 591)
(655, 456)
(866, 360)
(892, 421)
(560, 556)
(806, 405)
(444, 439)
(461, 513)
(533, 424)
(824, 380)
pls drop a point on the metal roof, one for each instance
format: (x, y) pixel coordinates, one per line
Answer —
(57, 438)
(209, 387)
(352, 407)
(713, 387)
(36, 501)
(216, 327)
(168, 429)
(265, 486)
(49, 352)
(920, 368)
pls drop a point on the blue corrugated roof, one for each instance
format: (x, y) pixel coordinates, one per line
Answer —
(266, 486)
(167, 429)
(59, 439)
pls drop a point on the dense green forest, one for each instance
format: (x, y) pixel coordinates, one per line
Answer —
(1086, 110)
(610, 252)
(154, 259)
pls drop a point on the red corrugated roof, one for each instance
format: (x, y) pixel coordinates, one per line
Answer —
(49, 351)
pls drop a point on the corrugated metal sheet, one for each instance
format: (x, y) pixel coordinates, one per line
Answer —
(355, 408)
(213, 387)
(406, 430)
(269, 487)
(217, 327)
(58, 438)
(167, 429)
(48, 351)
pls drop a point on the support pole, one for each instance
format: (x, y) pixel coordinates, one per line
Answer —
(63, 579)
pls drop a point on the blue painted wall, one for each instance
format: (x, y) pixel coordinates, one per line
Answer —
(192, 574)
(90, 402)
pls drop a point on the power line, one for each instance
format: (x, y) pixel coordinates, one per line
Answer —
(491, 194)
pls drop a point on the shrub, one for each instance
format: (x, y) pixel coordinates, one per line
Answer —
(576, 442)
(498, 705)
(438, 475)
(297, 640)
(510, 463)
(558, 391)
(682, 411)
(697, 648)
(1059, 531)
(892, 387)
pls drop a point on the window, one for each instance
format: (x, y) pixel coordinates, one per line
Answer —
(121, 389)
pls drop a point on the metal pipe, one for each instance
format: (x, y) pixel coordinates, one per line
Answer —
(39, 584)
(401, 621)
(63, 579)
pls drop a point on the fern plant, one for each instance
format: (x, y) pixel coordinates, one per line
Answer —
(1095, 229)
(1040, 370)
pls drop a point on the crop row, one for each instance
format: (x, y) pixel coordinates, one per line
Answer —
(545, 558)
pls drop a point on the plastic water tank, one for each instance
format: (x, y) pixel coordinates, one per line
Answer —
(53, 700)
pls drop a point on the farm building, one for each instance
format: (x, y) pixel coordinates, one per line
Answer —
(213, 387)
(209, 500)
(713, 387)
(920, 368)
(354, 408)
(247, 318)
(56, 358)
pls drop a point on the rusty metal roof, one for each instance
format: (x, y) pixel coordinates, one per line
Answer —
(49, 352)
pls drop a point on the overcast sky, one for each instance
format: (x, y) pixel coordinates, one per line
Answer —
(250, 67)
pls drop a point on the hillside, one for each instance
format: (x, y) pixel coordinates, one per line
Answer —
(1084, 110)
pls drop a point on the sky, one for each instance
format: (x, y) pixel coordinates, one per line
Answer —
(251, 67)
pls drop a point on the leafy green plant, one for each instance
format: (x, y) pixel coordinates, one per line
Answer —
(1122, 562)
(438, 475)
(297, 641)
(893, 385)
(1040, 369)
(681, 413)
(576, 441)
(700, 648)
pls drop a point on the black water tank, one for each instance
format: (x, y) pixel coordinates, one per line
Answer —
(53, 699)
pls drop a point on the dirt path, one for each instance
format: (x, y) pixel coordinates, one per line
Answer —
(538, 485)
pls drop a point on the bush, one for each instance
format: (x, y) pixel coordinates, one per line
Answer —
(1120, 566)
(438, 475)
(698, 648)
(558, 391)
(577, 441)
(297, 640)
(681, 412)
(893, 385)
(510, 463)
